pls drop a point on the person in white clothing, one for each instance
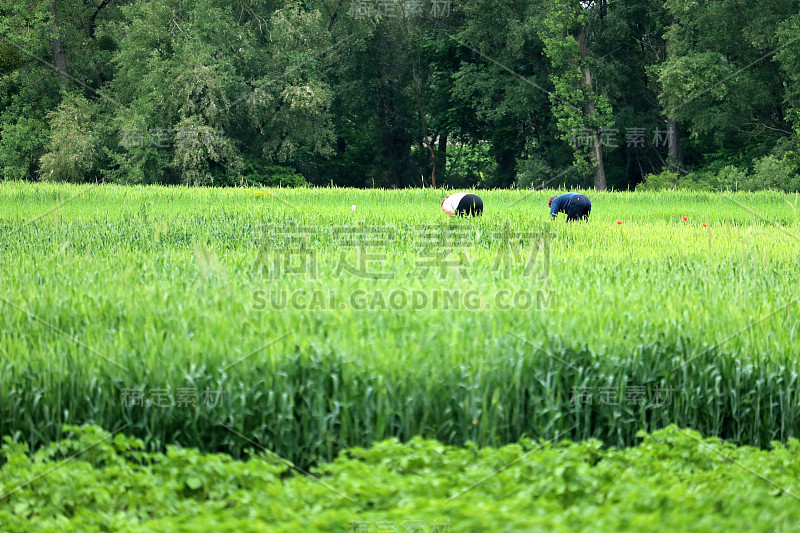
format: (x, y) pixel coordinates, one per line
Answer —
(463, 203)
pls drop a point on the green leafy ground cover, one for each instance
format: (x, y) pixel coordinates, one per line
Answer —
(672, 481)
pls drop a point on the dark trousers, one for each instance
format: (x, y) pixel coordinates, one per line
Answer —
(579, 208)
(470, 204)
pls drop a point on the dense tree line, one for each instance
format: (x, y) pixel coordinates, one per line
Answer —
(402, 93)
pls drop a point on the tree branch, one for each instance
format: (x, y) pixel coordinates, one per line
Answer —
(93, 19)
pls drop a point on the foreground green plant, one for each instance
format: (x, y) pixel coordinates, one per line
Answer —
(672, 481)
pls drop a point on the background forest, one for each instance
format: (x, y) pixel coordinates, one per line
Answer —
(407, 93)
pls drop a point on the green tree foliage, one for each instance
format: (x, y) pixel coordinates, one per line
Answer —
(788, 56)
(370, 93)
(205, 92)
(28, 92)
(73, 150)
(582, 111)
(720, 78)
(502, 85)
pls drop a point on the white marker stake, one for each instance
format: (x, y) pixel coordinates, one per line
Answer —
(354, 208)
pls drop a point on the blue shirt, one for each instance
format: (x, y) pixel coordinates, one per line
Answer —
(561, 202)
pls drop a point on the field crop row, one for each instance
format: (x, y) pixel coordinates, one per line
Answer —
(216, 317)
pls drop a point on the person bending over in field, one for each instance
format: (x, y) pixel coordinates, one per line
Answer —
(463, 203)
(577, 206)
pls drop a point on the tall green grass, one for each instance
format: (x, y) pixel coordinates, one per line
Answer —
(153, 288)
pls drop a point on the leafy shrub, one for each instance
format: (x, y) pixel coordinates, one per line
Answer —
(275, 176)
(73, 148)
(729, 178)
(200, 150)
(771, 172)
(535, 172)
(776, 172)
(259, 172)
(657, 182)
(671, 180)
(732, 178)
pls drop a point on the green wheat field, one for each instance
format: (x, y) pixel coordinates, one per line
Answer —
(332, 359)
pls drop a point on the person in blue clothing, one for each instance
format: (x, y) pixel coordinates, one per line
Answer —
(577, 206)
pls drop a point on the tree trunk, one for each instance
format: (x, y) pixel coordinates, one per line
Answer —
(59, 57)
(597, 156)
(420, 102)
(675, 159)
(442, 149)
(589, 110)
(506, 171)
(433, 162)
(675, 155)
